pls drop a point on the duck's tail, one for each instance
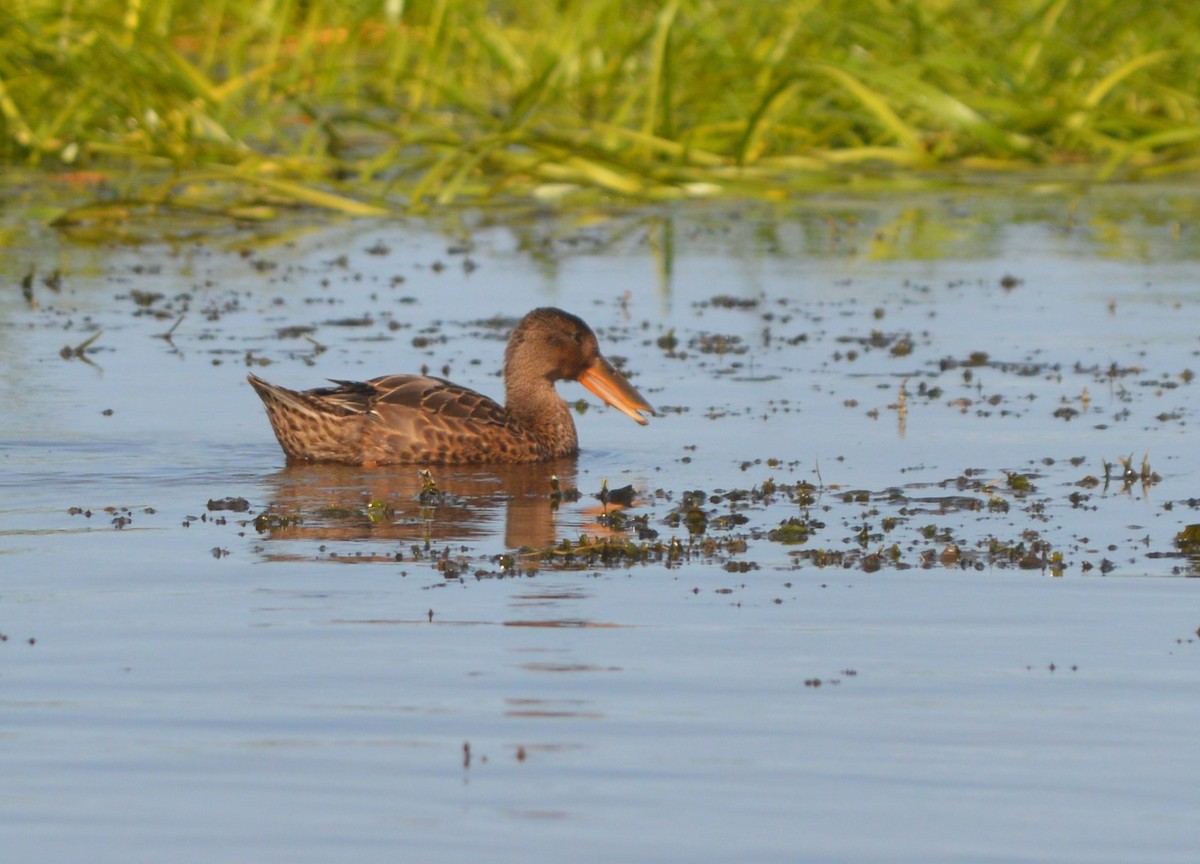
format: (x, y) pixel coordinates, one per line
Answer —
(305, 429)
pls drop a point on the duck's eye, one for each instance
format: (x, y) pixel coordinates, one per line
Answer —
(578, 338)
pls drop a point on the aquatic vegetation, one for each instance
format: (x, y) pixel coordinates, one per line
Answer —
(590, 552)
(792, 530)
(242, 109)
(79, 352)
(266, 521)
(1189, 539)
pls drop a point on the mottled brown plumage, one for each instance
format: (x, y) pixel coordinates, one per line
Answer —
(425, 420)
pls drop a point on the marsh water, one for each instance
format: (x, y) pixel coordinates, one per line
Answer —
(903, 574)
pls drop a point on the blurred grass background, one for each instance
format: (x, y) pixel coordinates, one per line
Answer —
(373, 106)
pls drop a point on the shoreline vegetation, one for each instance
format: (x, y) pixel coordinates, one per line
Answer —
(370, 108)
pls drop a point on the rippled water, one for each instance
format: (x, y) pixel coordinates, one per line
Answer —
(887, 590)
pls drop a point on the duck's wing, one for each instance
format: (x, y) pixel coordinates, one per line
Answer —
(423, 394)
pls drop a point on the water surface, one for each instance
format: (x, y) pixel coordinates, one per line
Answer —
(887, 590)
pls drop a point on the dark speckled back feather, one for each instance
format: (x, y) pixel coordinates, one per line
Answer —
(438, 396)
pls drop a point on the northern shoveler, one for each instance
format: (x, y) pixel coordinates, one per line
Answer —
(419, 419)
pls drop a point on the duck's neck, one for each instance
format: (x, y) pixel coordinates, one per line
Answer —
(543, 414)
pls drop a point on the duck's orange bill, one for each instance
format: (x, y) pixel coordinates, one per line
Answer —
(610, 385)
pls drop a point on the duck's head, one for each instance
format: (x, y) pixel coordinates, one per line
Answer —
(551, 345)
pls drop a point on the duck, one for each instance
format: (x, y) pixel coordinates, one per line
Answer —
(424, 420)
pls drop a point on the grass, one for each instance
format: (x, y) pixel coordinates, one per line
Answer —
(376, 107)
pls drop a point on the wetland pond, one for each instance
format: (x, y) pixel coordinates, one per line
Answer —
(903, 573)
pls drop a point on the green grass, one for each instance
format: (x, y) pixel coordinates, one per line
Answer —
(369, 107)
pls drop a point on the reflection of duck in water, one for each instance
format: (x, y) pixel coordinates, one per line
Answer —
(420, 419)
(343, 502)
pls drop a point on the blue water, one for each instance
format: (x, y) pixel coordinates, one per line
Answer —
(196, 689)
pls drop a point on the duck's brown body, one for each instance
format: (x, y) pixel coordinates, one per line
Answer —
(407, 419)
(423, 420)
